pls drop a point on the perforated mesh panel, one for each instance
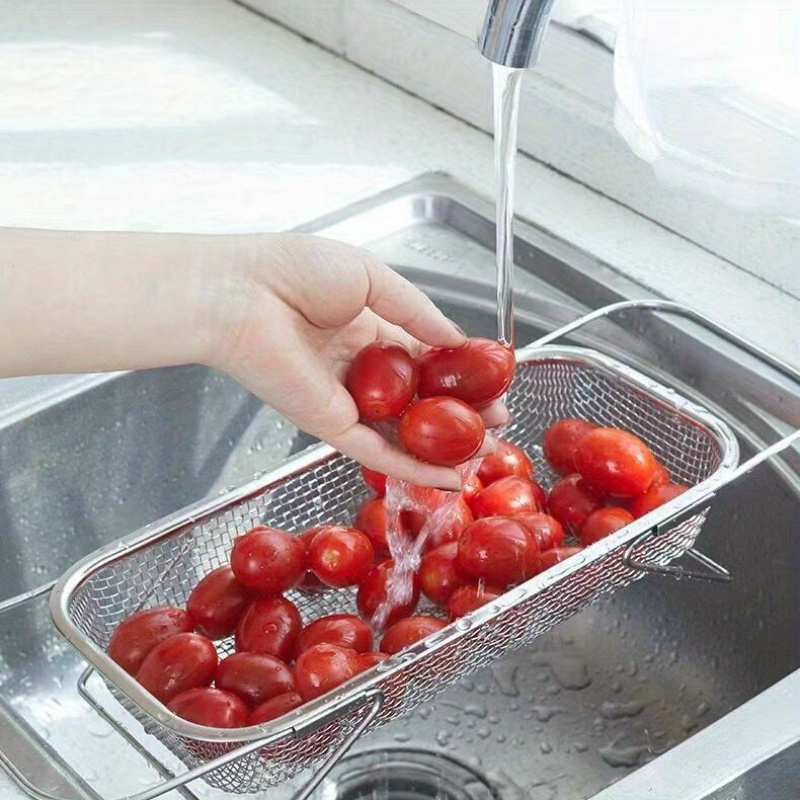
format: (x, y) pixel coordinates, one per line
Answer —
(165, 570)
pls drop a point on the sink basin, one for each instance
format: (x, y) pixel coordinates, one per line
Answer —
(587, 705)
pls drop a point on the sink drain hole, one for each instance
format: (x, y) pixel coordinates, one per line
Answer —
(404, 774)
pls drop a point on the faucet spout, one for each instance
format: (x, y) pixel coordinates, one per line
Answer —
(513, 31)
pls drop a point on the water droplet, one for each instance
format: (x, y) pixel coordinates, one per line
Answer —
(483, 733)
(545, 748)
(402, 737)
(505, 675)
(611, 710)
(442, 738)
(545, 713)
(616, 756)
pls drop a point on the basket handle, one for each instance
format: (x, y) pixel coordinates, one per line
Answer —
(712, 571)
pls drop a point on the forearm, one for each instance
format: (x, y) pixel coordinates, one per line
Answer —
(88, 302)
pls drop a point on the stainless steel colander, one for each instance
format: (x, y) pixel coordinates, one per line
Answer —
(162, 563)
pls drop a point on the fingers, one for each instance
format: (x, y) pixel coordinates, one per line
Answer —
(495, 415)
(398, 301)
(369, 448)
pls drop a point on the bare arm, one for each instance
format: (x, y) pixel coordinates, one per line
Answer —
(282, 314)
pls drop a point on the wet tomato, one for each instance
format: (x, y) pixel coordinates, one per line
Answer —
(270, 625)
(184, 661)
(340, 556)
(655, 497)
(660, 476)
(499, 550)
(477, 372)
(369, 660)
(383, 380)
(560, 441)
(571, 500)
(217, 603)
(615, 462)
(408, 631)
(442, 430)
(446, 525)
(371, 520)
(602, 523)
(275, 707)
(547, 530)
(375, 480)
(469, 597)
(471, 487)
(558, 554)
(254, 677)
(310, 582)
(268, 560)
(213, 708)
(507, 460)
(137, 635)
(438, 574)
(374, 593)
(345, 630)
(324, 667)
(508, 496)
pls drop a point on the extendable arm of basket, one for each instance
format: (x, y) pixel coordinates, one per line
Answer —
(372, 700)
(712, 571)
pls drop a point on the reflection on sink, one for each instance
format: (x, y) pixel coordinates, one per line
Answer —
(598, 696)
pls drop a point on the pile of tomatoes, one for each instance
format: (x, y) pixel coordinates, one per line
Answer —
(435, 398)
(499, 531)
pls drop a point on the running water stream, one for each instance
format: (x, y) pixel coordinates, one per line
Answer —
(439, 508)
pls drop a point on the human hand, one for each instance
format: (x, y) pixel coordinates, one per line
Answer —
(298, 310)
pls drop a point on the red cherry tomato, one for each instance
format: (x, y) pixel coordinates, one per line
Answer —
(660, 476)
(375, 588)
(615, 462)
(447, 527)
(547, 530)
(438, 574)
(270, 626)
(471, 487)
(369, 660)
(371, 520)
(217, 603)
(561, 439)
(602, 523)
(478, 372)
(275, 707)
(507, 460)
(310, 582)
(375, 480)
(254, 677)
(442, 430)
(571, 500)
(655, 497)
(499, 550)
(324, 667)
(341, 556)
(556, 555)
(469, 597)
(408, 631)
(268, 560)
(137, 635)
(383, 380)
(213, 708)
(508, 496)
(345, 630)
(184, 661)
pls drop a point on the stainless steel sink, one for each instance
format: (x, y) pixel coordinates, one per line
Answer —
(600, 696)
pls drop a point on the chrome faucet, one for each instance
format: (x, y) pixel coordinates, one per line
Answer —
(513, 31)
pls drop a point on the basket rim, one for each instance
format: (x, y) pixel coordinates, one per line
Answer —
(358, 689)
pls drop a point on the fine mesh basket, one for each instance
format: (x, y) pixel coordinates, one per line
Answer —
(162, 564)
